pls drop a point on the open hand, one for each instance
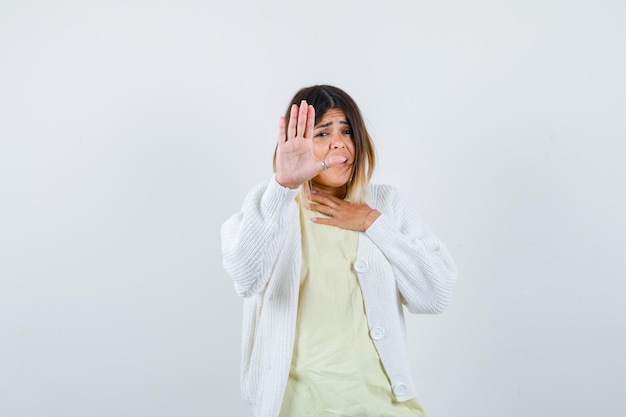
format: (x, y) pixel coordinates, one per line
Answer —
(341, 213)
(295, 162)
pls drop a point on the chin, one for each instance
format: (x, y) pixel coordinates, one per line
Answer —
(334, 180)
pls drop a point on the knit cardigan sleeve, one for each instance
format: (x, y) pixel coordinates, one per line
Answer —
(251, 238)
(423, 268)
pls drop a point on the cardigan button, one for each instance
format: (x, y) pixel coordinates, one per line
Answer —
(399, 389)
(377, 333)
(360, 265)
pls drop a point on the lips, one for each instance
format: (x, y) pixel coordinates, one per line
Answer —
(345, 161)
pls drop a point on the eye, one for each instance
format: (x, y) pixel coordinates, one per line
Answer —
(321, 134)
(347, 132)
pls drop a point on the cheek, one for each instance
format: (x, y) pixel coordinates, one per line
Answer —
(350, 146)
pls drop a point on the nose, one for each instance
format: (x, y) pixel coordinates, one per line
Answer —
(337, 141)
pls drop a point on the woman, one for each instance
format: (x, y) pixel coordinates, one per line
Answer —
(324, 261)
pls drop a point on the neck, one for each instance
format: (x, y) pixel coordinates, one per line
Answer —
(339, 192)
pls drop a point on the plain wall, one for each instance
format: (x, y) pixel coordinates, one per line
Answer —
(130, 130)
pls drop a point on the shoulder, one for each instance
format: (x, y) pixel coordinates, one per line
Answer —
(383, 193)
(389, 200)
(271, 190)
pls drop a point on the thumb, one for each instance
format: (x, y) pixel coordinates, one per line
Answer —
(332, 162)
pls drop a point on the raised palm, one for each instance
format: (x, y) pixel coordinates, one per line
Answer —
(295, 162)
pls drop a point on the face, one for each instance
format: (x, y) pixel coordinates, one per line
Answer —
(333, 136)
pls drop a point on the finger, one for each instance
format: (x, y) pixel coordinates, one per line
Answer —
(310, 122)
(282, 134)
(302, 118)
(324, 209)
(293, 119)
(330, 162)
(323, 220)
(335, 160)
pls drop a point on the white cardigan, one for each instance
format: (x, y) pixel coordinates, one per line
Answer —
(399, 261)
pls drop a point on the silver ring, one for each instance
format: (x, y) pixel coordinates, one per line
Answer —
(324, 166)
(330, 213)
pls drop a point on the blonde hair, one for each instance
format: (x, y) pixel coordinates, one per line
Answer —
(324, 98)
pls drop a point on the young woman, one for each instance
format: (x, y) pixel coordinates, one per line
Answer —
(325, 262)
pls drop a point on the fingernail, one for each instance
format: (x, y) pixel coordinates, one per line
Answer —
(313, 191)
(314, 219)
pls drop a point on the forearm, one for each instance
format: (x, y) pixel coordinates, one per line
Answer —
(423, 268)
(250, 238)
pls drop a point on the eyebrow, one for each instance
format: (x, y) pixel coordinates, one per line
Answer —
(342, 122)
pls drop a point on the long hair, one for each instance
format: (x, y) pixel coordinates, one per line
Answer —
(324, 98)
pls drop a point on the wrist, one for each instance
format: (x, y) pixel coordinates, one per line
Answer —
(370, 218)
(286, 184)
